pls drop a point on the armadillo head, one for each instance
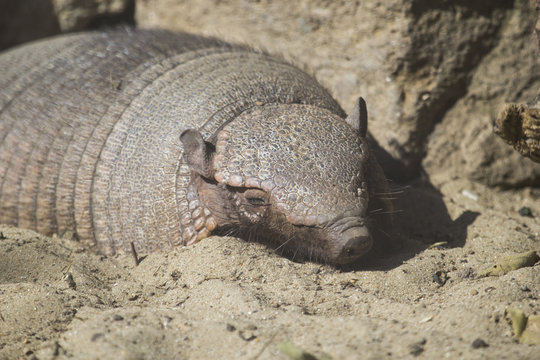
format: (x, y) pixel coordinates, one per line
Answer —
(296, 175)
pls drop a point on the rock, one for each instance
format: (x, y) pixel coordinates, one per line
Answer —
(463, 144)
(537, 27)
(22, 21)
(519, 125)
(76, 15)
(479, 343)
(420, 66)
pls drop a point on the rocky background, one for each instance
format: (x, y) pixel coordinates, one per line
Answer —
(435, 75)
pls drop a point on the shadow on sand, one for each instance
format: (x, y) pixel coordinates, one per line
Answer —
(420, 220)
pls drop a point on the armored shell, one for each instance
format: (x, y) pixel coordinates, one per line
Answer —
(90, 142)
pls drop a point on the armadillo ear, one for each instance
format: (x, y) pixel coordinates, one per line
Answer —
(197, 153)
(358, 117)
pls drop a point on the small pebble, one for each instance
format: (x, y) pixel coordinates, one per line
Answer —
(525, 211)
(247, 335)
(70, 281)
(117, 317)
(524, 288)
(96, 336)
(175, 274)
(440, 277)
(470, 195)
(479, 343)
(417, 348)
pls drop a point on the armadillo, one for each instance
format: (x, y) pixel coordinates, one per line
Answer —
(154, 139)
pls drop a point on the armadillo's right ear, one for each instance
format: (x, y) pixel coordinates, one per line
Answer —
(197, 153)
(358, 117)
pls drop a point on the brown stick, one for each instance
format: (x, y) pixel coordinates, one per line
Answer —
(134, 253)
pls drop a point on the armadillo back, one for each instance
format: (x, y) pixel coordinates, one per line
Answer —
(90, 125)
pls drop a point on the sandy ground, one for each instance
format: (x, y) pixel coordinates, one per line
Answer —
(225, 298)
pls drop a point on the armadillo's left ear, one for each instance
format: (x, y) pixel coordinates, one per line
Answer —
(197, 153)
(358, 117)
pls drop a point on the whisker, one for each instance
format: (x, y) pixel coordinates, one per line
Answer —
(230, 232)
(384, 232)
(294, 254)
(397, 192)
(399, 188)
(283, 244)
(256, 234)
(381, 212)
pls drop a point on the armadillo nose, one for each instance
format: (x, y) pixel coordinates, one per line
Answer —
(355, 242)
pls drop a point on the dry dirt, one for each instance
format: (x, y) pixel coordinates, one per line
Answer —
(225, 298)
(228, 299)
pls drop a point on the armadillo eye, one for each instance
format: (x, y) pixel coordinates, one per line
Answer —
(256, 197)
(256, 201)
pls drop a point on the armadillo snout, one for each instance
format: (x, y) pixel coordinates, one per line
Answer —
(352, 244)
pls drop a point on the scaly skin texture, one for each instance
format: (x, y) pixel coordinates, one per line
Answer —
(159, 139)
(276, 147)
